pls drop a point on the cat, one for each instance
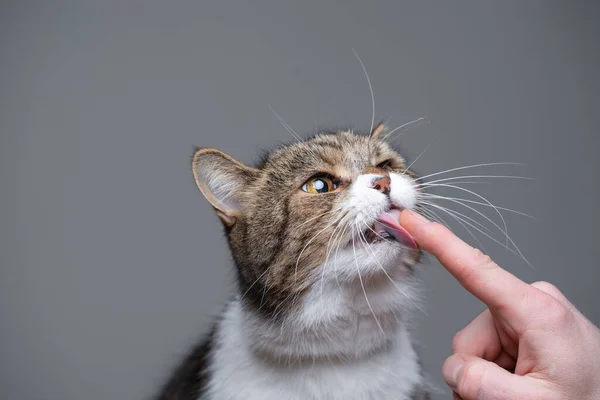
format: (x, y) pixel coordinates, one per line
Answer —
(324, 272)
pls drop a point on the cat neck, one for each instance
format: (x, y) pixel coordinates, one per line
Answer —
(335, 322)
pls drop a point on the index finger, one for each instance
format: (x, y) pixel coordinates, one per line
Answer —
(500, 290)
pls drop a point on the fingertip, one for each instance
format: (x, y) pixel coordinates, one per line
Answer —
(413, 216)
(451, 368)
(426, 233)
(413, 222)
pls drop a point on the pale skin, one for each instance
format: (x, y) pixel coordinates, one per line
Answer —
(530, 342)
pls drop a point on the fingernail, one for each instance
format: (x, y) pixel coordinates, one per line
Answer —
(451, 369)
(419, 216)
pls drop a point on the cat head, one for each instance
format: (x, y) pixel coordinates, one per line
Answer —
(322, 209)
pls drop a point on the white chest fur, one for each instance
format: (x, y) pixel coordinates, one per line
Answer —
(236, 373)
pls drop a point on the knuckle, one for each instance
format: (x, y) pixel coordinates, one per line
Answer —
(458, 341)
(554, 313)
(470, 379)
(482, 259)
(558, 314)
(547, 287)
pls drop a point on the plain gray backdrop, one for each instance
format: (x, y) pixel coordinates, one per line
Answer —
(111, 262)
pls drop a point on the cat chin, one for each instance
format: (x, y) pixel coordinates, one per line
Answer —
(373, 260)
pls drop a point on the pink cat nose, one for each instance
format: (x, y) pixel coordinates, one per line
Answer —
(382, 184)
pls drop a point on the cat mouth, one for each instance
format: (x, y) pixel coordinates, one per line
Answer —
(387, 228)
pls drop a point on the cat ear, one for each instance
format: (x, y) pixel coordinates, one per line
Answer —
(221, 180)
(377, 130)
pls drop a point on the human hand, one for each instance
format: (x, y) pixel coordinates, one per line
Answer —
(531, 342)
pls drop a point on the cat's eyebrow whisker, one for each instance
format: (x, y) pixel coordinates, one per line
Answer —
(363, 287)
(402, 126)
(460, 199)
(416, 159)
(470, 166)
(370, 89)
(285, 125)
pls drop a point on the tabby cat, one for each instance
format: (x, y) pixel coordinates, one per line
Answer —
(324, 273)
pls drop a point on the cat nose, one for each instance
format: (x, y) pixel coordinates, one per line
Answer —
(381, 184)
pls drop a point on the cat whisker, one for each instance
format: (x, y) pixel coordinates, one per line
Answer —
(508, 238)
(341, 236)
(366, 245)
(370, 89)
(415, 160)
(517, 252)
(465, 227)
(473, 176)
(364, 290)
(488, 202)
(310, 241)
(402, 126)
(433, 196)
(254, 283)
(327, 254)
(264, 292)
(470, 166)
(462, 215)
(285, 125)
(313, 218)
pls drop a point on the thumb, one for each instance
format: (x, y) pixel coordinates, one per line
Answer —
(475, 378)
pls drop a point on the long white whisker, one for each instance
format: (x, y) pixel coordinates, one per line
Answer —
(254, 283)
(430, 195)
(370, 89)
(465, 227)
(517, 253)
(285, 125)
(341, 236)
(327, 254)
(461, 214)
(264, 292)
(488, 202)
(508, 238)
(474, 176)
(309, 242)
(363, 288)
(432, 216)
(313, 218)
(402, 126)
(415, 160)
(469, 166)
(366, 244)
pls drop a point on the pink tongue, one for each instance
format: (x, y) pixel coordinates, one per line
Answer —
(391, 224)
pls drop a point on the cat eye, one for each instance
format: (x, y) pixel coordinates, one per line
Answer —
(319, 184)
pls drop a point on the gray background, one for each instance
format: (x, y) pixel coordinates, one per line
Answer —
(111, 262)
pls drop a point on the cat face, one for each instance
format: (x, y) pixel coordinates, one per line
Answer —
(323, 209)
